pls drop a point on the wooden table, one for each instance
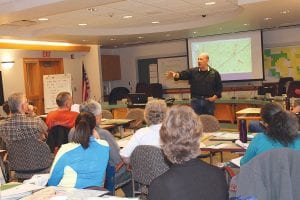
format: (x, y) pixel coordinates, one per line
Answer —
(119, 123)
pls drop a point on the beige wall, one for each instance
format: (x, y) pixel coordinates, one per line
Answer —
(13, 79)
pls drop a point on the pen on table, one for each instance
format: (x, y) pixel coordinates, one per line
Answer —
(216, 144)
(205, 138)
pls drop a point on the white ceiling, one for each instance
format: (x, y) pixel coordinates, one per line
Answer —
(107, 27)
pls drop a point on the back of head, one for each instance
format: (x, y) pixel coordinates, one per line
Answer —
(84, 126)
(5, 108)
(267, 112)
(91, 106)
(180, 133)
(15, 101)
(155, 111)
(62, 98)
(283, 127)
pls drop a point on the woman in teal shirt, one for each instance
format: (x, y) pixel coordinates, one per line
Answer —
(281, 131)
(82, 163)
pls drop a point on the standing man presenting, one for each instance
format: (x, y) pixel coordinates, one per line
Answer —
(205, 85)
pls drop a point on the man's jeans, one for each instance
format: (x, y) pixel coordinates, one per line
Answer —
(203, 106)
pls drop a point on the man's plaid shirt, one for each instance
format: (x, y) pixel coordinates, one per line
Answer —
(19, 126)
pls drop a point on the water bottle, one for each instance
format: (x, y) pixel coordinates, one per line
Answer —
(243, 130)
(287, 103)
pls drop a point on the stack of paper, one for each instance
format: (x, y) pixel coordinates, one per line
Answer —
(17, 191)
(241, 144)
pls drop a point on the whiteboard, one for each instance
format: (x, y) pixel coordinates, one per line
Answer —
(176, 64)
(54, 84)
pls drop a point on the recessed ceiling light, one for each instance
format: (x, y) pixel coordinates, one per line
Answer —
(92, 9)
(210, 3)
(140, 37)
(267, 18)
(285, 12)
(112, 39)
(246, 24)
(43, 19)
(82, 24)
(194, 32)
(155, 22)
(127, 16)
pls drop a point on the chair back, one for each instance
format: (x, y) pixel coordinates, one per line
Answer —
(156, 90)
(294, 89)
(57, 136)
(147, 163)
(106, 114)
(28, 156)
(118, 93)
(272, 175)
(210, 123)
(143, 88)
(282, 85)
(138, 115)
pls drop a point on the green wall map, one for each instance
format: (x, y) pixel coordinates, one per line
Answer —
(282, 62)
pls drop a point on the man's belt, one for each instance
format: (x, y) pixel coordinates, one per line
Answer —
(200, 97)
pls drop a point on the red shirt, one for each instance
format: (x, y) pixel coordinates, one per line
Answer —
(62, 117)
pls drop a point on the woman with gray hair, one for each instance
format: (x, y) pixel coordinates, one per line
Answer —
(154, 114)
(188, 178)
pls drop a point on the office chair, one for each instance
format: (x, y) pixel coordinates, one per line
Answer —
(294, 89)
(28, 157)
(118, 93)
(282, 85)
(147, 162)
(210, 124)
(110, 178)
(138, 115)
(143, 88)
(273, 175)
(106, 114)
(57, 136)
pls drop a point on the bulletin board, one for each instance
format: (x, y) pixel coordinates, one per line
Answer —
(176, 64)
(54, 84)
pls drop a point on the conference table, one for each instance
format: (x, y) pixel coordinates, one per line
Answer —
(248, 114)
(120, 124)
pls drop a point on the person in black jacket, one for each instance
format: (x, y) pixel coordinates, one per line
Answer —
(205, 85)
(188, 178)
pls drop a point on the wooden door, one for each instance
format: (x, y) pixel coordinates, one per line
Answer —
(34, 69)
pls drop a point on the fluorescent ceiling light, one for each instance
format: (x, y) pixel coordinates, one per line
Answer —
(29, 42)
(127, 16)
(210, 3)
(83, 24)
(43, 19)
(155, 22)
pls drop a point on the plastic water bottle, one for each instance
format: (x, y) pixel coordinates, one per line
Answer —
(243, 130)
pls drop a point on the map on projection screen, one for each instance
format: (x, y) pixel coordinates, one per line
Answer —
(282, 62)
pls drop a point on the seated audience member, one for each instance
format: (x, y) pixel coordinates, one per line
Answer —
(281, 131)
(188, 178)
(20, 126)
(114, 154)
(63, 116)
(5, 108)
(82, 163)
(155, 111)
